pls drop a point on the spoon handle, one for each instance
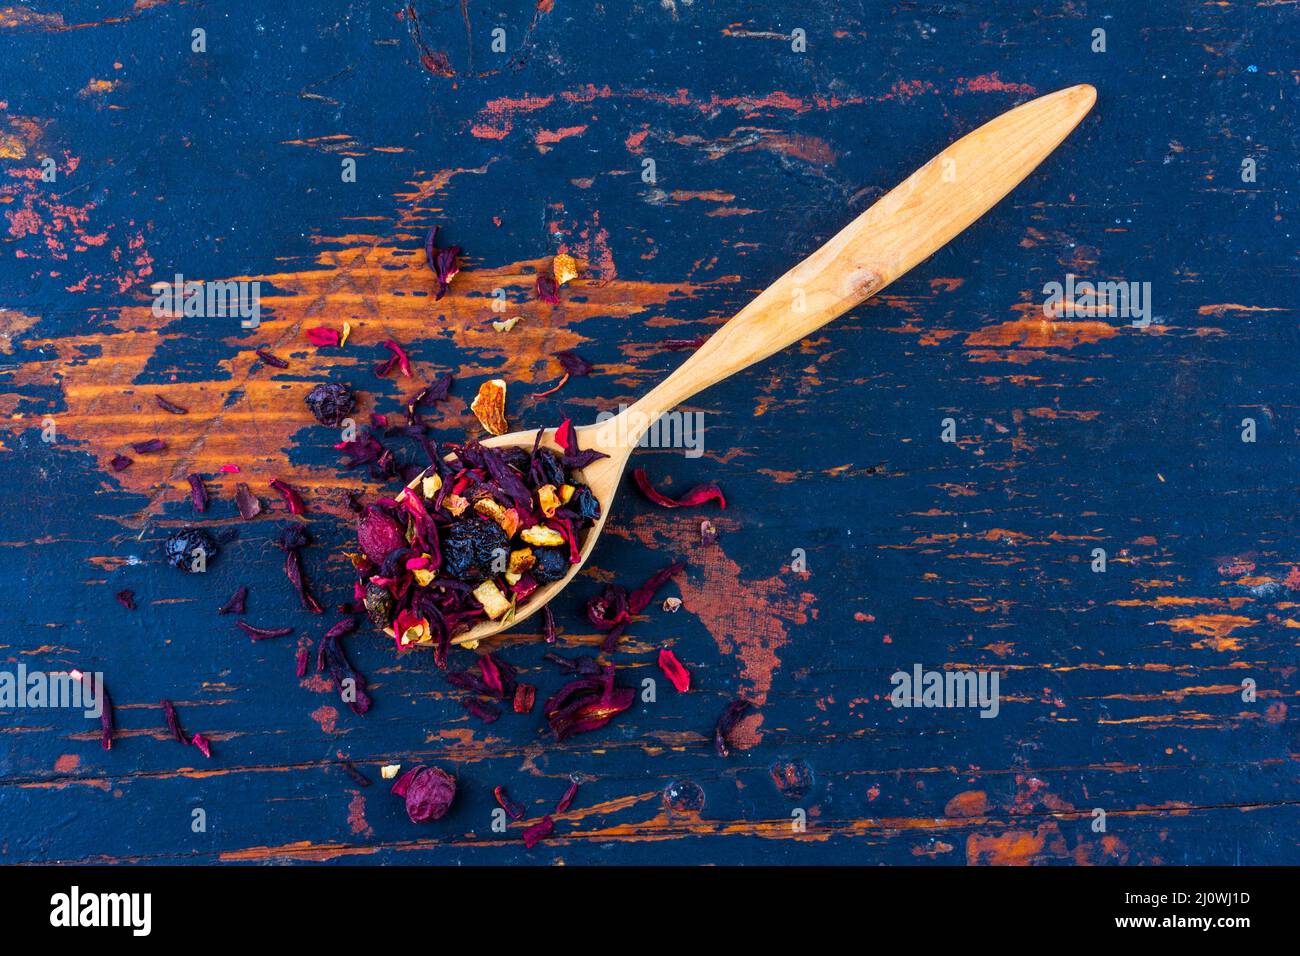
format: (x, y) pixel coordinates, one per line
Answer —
(905, 226)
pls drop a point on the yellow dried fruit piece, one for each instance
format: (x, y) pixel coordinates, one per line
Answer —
(431, 485)
(490, 406)
(423, 576)
(548, 500)
(542, 537)
(564, 267)
(389, 770)
(417, 633)
(493, 601)
(566, 492)
(347, 330)
(507, 518)
(512, 579)
(507, 324)
(521, 561)
(455, 504)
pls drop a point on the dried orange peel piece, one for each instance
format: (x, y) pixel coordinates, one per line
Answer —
(490, 406)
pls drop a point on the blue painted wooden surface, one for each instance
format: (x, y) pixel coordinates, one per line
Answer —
(1121, 691)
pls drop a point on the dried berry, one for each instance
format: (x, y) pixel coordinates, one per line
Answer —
(190, 549)
(551, 564)
(381, 606)
(471, 547)
(586, 504)
(331, 402)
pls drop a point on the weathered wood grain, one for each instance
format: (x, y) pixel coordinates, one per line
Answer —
(1121, 690)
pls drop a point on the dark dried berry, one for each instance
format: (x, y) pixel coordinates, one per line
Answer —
(381, 606)
(552, 470)
(331, 403)
(552, 564)
(471, 547)
(586, 504)
(189, 549)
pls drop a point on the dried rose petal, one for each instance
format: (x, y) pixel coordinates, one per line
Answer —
(490, 406)
(290, 496)
(538, 832)
(236, 603)
(525, 694)
(428, 792)
(248, 503)
(229, 469)
(700, 494)
(126, 598)
(172, 407)
(198, 493)
(320, 335)
(730, 717)
(513, 810)
(673, 669)
(205, 748)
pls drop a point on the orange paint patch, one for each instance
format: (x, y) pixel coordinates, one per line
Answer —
(327, 717)
(1013, 848)
(970, 803)
(67, 763)
(1040, 333)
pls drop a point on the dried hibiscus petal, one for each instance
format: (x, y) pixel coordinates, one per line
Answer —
(548, 290)
(172, 407)
(126, 598)
(290, 496)
(444, 262)
(174, 725)
(730, 717)
(538, 831)
(700, 494)
(205, 747)
(428, 792)
(263, 633)
(248, 503)
(525, 694)
(574, 364)
(567, 800)
(270, 359)
(198, 493)
(673, 669)
(489, 406)
(303, 657)
(587, 704)
(120, 463)
(513, 810)
(351, 770)
(236, 603)
(349, 681)
(548, 624)
(152, 445)
(484, 712)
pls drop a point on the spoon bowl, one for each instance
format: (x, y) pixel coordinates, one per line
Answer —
(904, 227)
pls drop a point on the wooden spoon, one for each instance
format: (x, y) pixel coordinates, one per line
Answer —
(905, 226)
